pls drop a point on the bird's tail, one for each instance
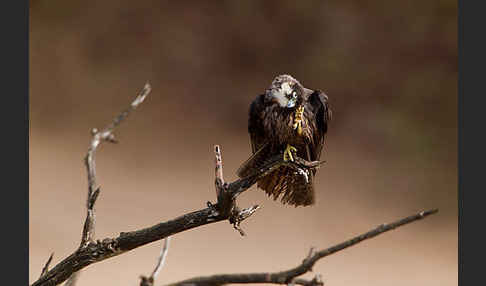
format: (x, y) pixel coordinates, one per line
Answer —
(257, 160)
(292, 187)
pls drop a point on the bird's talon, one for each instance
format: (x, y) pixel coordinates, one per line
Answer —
(298, 119)
(288, 153)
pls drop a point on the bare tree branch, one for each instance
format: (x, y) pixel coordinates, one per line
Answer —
(290, 276)
(218, 170)
(316, 281)
(162, 256)
(224, 209)
(149, 281)
(46, 266)
(91, 251)
(105, 135)
(98, 137)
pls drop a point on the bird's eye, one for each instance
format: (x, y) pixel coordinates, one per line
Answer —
(293, 94)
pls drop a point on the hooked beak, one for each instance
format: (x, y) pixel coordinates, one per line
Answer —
(291, 102)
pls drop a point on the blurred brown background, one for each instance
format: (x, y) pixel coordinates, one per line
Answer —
(389, 68)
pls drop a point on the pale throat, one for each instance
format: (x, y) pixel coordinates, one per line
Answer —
(281, 94)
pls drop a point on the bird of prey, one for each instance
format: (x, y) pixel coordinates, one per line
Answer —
(291, 120)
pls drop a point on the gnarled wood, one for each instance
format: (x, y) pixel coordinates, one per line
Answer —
(91, 251)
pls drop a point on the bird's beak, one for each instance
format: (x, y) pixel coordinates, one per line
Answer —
(291, 102)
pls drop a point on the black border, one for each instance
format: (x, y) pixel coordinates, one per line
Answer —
(15, 27)
(14, 23)
(471, 141)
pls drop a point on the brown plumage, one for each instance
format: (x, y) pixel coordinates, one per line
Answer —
(273, 124)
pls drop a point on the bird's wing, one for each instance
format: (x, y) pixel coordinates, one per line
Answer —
(259, 144)
(317, 102)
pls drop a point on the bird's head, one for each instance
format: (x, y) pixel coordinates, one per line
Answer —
(286, 91)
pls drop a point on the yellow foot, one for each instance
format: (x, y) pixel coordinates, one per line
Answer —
(298, 119)
(288, 153)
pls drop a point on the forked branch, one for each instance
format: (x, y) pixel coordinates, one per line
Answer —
(46, 266)
(98, 137)
(290, 276)
(149, 281)
(225, 208)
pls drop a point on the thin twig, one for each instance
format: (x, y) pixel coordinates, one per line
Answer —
(46, 266)
(218, 170)
(91, 251)
(290, 276)
(105, 135)
(224, 209)
(162, 256)
(98, 137)
(149, 281)
(316, 281)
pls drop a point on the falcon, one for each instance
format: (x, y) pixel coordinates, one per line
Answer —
(291, 120)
